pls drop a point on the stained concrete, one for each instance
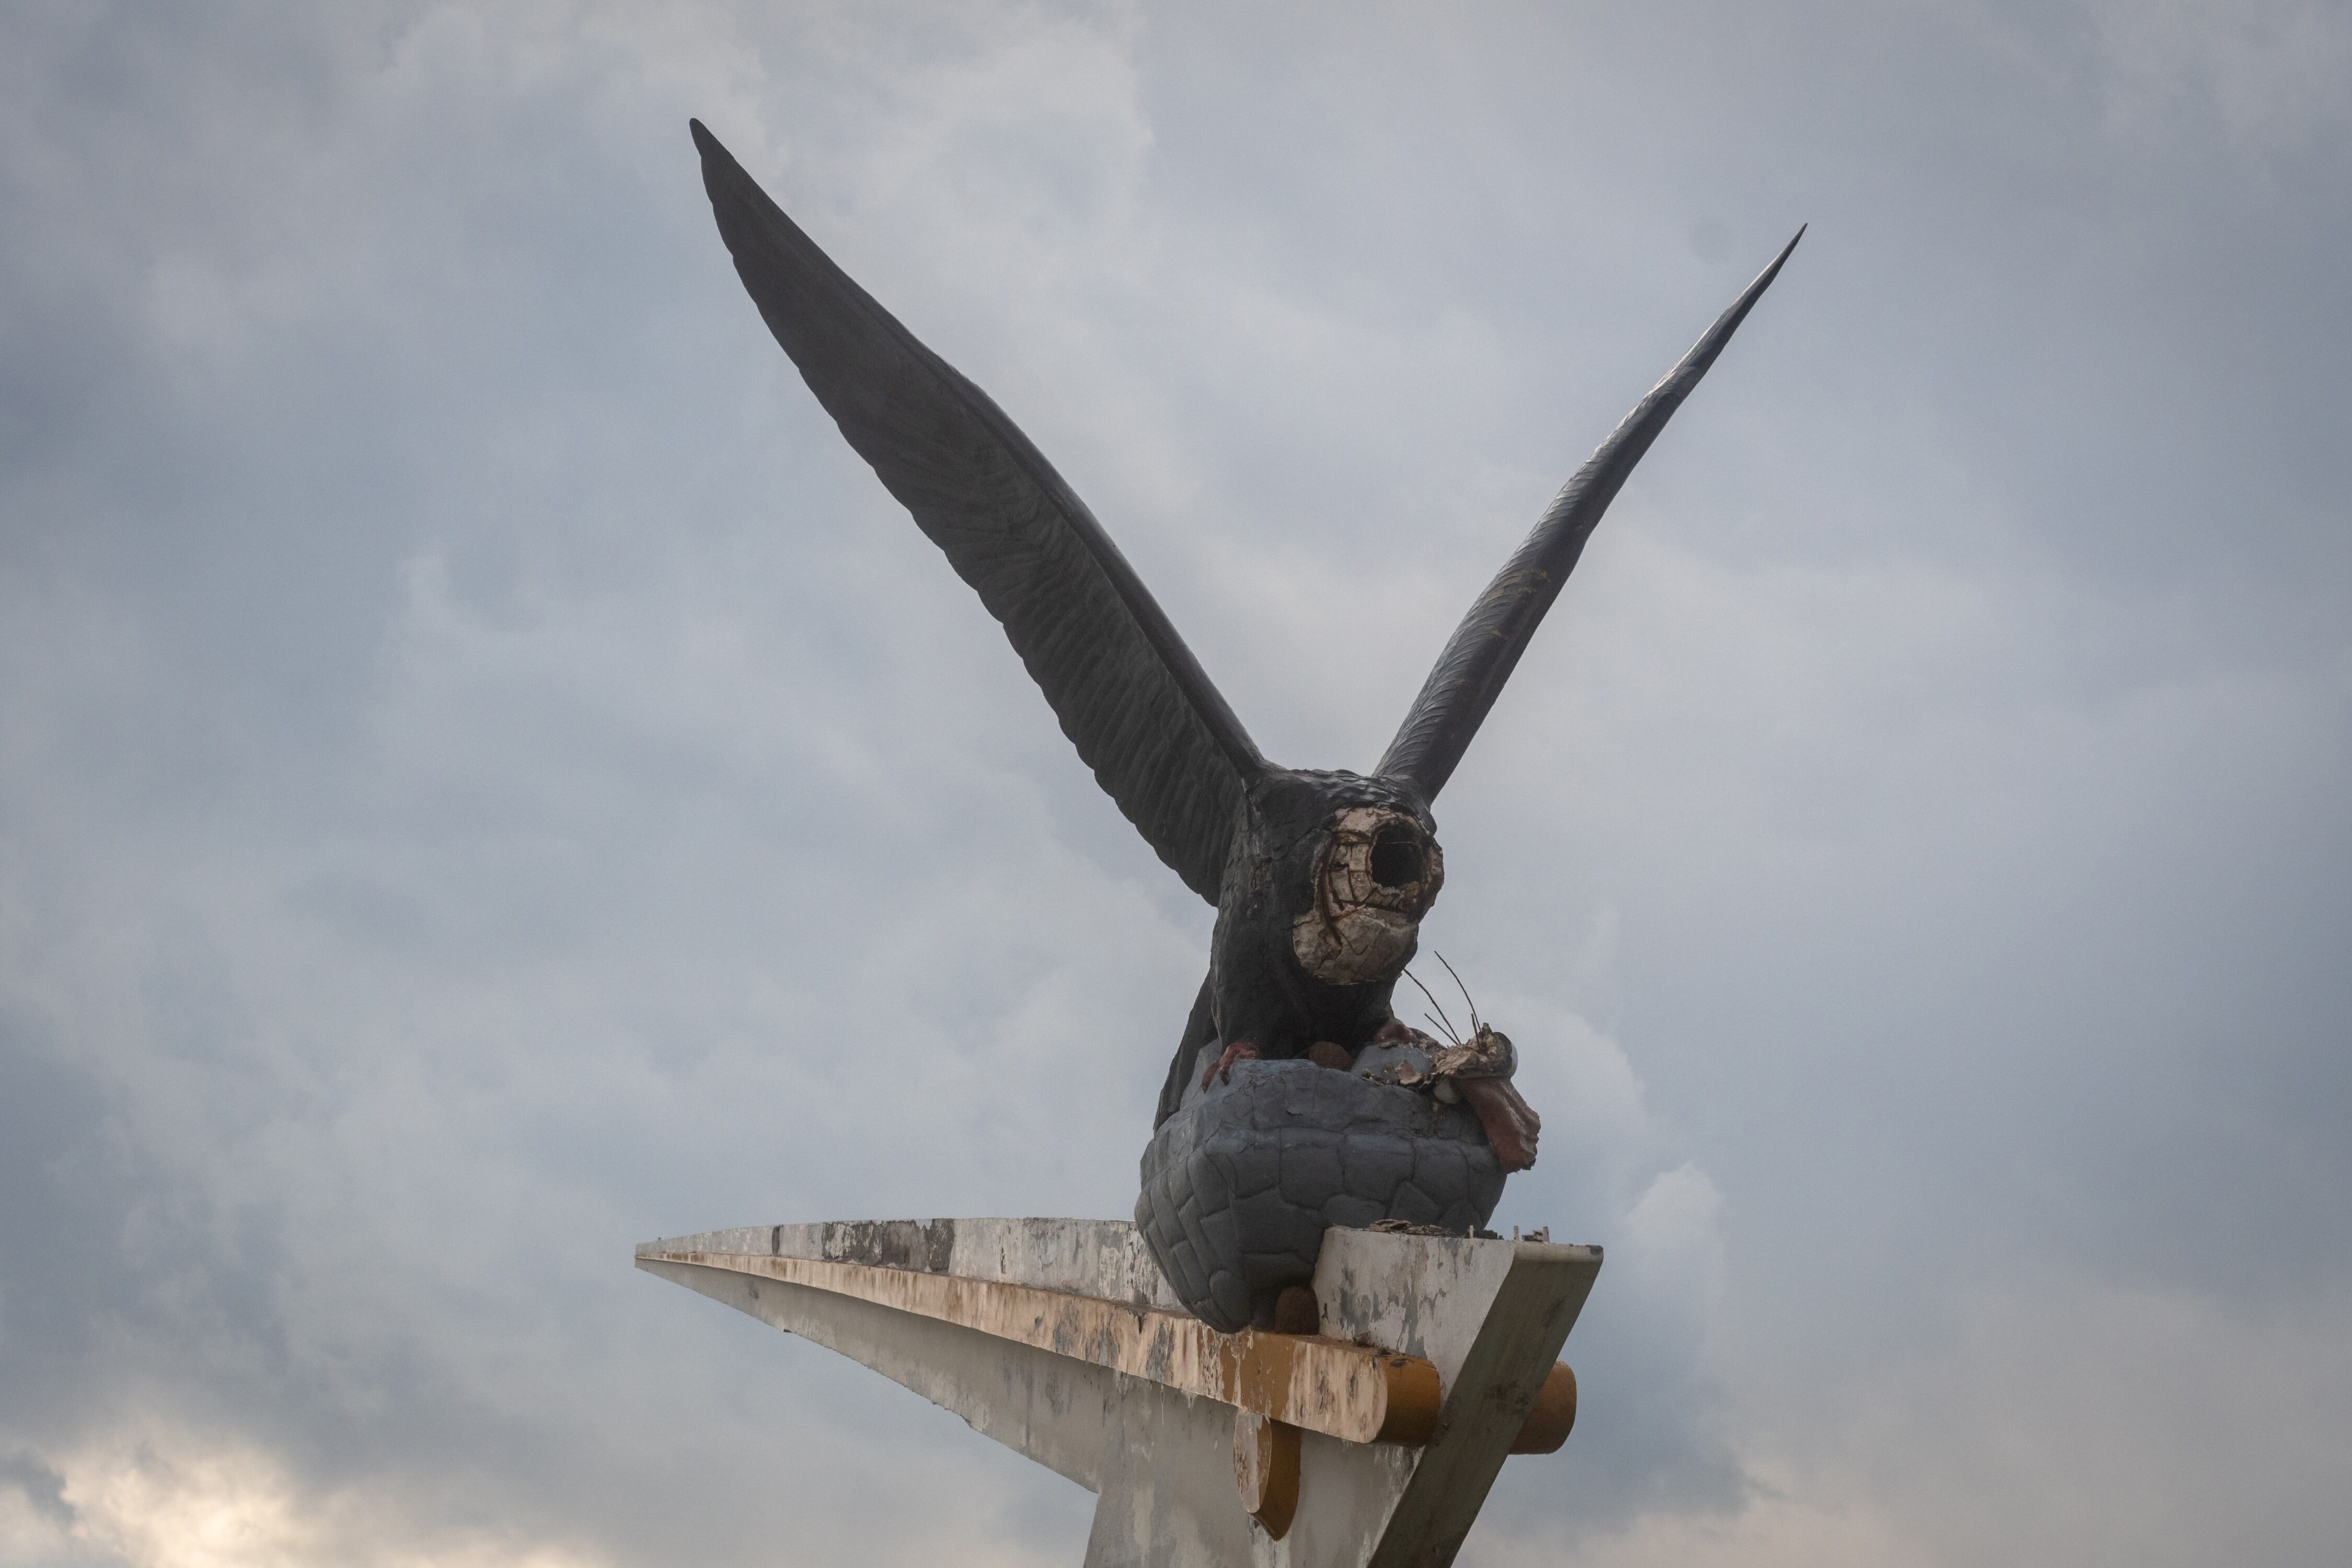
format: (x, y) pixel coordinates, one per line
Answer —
(1490, 1314)
(1091, 1256)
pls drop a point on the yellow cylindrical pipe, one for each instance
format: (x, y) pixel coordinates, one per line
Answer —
(1551, 1416)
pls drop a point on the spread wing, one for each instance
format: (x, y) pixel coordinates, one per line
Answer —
(1129, 694)
(1486, 646)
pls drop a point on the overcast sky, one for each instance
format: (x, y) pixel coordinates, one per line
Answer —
(487, 777)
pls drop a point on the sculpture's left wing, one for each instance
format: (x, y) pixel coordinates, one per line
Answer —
(1485, 648)
(1129, 694)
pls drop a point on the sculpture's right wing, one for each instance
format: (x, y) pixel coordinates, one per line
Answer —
(1129, 694)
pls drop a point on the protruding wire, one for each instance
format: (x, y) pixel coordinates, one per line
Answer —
(1448, 1025)
(1466, 995)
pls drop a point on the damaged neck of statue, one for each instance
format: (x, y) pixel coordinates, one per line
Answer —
(1320, 912)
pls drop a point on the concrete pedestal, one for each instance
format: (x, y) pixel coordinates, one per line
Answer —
(1373, 1441)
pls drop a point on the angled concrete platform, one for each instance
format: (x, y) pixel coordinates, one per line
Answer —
(1373, 1441)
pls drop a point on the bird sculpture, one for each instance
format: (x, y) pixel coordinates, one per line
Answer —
(1296, 1099)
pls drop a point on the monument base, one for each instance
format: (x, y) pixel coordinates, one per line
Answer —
(1372, 1441)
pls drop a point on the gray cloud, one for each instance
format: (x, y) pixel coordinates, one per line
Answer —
(489, 777)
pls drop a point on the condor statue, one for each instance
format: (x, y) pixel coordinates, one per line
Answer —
(1296, 1099)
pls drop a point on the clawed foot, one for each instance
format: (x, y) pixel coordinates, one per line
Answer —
(1222, 1069)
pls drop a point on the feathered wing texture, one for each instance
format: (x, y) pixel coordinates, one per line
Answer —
(1130, 696)
(1486, 646)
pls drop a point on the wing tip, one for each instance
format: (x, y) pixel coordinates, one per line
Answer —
(1764, 279)
(717, 160)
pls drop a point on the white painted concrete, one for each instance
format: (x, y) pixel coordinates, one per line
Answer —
(1491, 1315)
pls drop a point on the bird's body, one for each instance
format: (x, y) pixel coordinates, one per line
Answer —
(1317, 915)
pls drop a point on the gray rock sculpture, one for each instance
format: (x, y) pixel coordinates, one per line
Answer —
(1268, 1128)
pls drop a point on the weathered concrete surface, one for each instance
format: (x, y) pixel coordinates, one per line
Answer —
(1091, 1256)
(1493, 1367)
(1489, 1316)
(1055, 1410)
(1357, 1392)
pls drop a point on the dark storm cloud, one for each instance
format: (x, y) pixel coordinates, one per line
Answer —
(489, 777)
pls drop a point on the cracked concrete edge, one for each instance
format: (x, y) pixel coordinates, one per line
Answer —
(1495, 1382)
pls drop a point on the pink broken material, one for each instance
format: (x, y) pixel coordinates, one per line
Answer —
(1222, 1068)
(1511, 1124)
